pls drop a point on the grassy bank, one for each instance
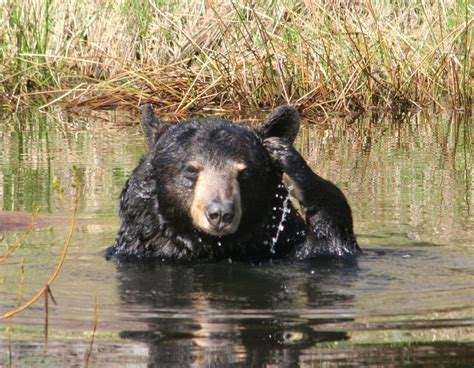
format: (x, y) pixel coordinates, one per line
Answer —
(346, 56)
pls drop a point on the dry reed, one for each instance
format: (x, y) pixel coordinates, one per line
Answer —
(345, 56)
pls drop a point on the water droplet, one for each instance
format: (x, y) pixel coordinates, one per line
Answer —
(280, 228)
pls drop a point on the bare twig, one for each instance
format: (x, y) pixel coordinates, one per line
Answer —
(94, 329)
(44, 290)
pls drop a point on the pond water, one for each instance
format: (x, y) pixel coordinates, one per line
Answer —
(409, 300)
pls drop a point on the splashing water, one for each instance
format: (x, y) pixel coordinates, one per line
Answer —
(284, 211)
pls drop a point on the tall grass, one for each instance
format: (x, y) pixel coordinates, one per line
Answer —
(346, 56)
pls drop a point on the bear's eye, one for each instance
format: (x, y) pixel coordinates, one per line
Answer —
(191, 169)
(244, 174)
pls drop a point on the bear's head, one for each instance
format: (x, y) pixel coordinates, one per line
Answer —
(214, 175)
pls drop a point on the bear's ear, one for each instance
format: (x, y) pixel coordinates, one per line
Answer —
(284, 122)
(152, 126)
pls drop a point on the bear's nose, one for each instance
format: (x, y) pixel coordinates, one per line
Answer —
(220, 214)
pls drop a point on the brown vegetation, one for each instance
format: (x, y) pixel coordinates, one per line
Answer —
(346, 56)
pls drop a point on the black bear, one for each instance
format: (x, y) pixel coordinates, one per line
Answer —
(210, 189)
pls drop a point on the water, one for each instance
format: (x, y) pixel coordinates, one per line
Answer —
(409, 300)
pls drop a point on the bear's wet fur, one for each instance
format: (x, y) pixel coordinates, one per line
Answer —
(209, 189)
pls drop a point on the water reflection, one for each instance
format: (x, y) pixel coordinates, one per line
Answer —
(220, 315)
(408, 179)
(296, 314)
(37, 149)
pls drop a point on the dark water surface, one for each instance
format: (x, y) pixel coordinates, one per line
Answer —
(408, 301)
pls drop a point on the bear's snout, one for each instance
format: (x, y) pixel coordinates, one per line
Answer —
(220, 214)
(216, 207)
